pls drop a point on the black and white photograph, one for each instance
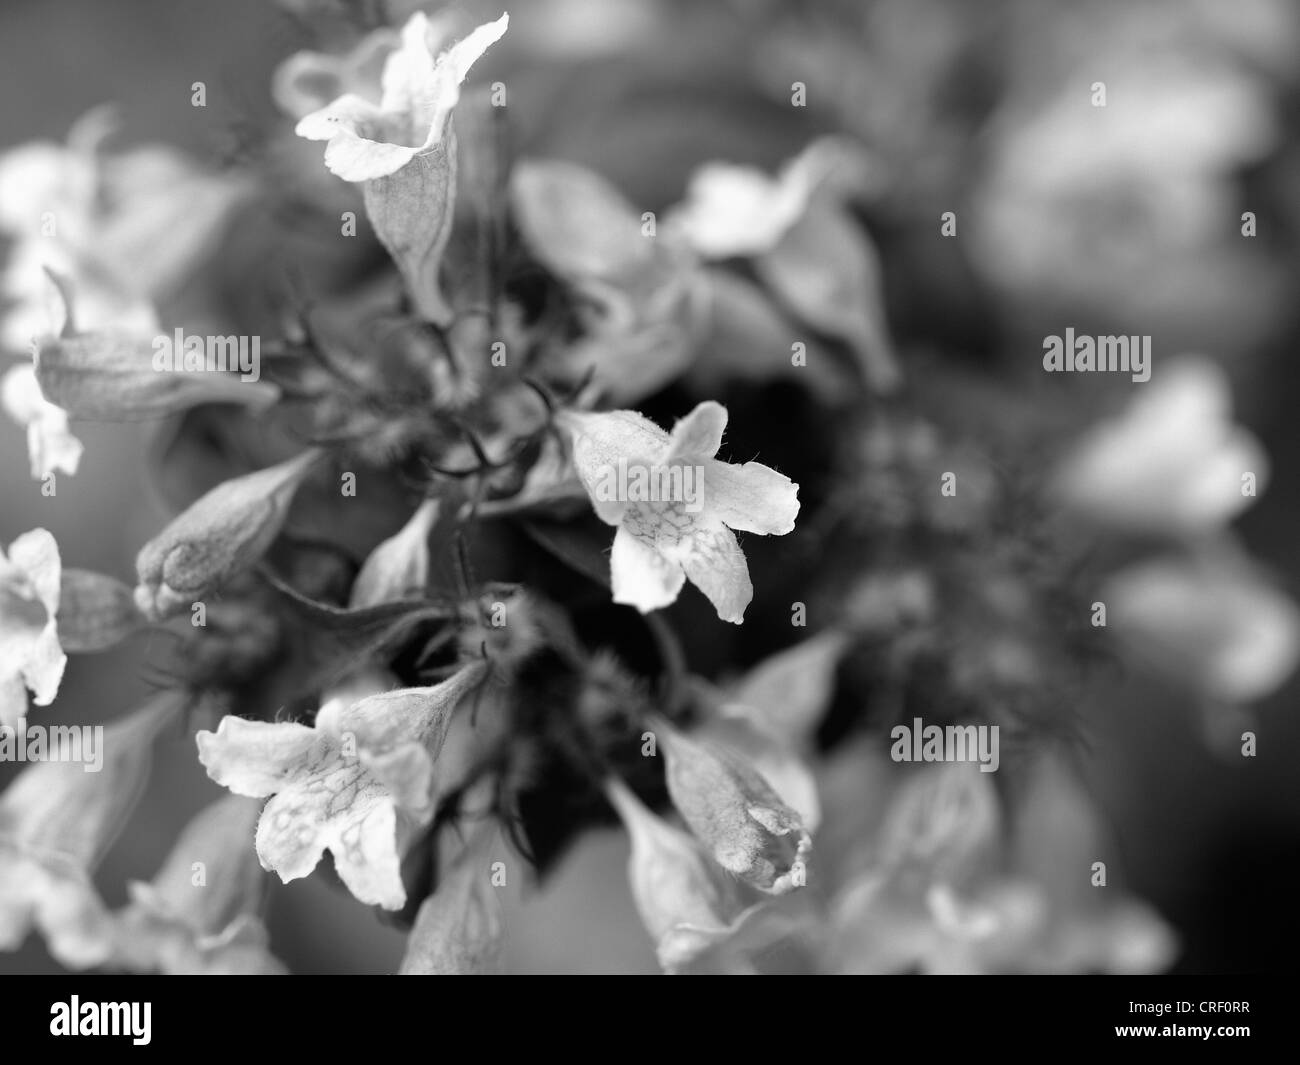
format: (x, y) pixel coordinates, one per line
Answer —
(637, 487)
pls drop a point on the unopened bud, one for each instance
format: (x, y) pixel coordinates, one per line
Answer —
(220, 535)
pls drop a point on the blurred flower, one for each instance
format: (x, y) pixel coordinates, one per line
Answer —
(687, 903)
(51, 446)
(96, 612)
(943, 821)
(1209, 622)
(126, 229)
(30, 655)
(944, 891)
(1129, 208)
(658, 545)
(732, 210)
(398, 567)
(310, 81)
(199, 915)
(459, 930)
(881, 924)
(1172, 462)
(356, 783)
(787, 693)
(1086, 928)
(639, 294)
(751, 832)
(56, 823)
(220, 535)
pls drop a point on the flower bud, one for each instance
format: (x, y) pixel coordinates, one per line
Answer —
(57, 820)
(199, 915)
(398, 567)
(30, 655)
(220, 535)
(112, 376)
(752, 833)
(96, 612)
(687, 903)
(459, 930)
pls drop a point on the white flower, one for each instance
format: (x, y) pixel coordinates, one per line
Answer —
(659, 544)
(459, 930)
(355, 784)
(686, 902)
(1057, 837)
(199, 915)
(1211, 623)
(51, 446)
(1173, 462)
(732, 210)
(404, 152)
(368, 141)
(30, 655)
(308, 81)
(124, 230)
(56, 823)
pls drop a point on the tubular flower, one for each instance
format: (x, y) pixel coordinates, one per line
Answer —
(199, 914)
(687, 903)
(57, 820)
(662, 542)
(355, 784)
(751, 832)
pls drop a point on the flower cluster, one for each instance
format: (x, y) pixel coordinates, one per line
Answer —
(416, 617)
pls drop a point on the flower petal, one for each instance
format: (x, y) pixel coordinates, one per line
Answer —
(51, 446)
(641, 576)
(365, 849)
(699, 434)
(750, 497)
(36, 553)
(57, 899)
(715, 564)
(258, 758)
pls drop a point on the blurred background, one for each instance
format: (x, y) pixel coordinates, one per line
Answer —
(976, 108)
